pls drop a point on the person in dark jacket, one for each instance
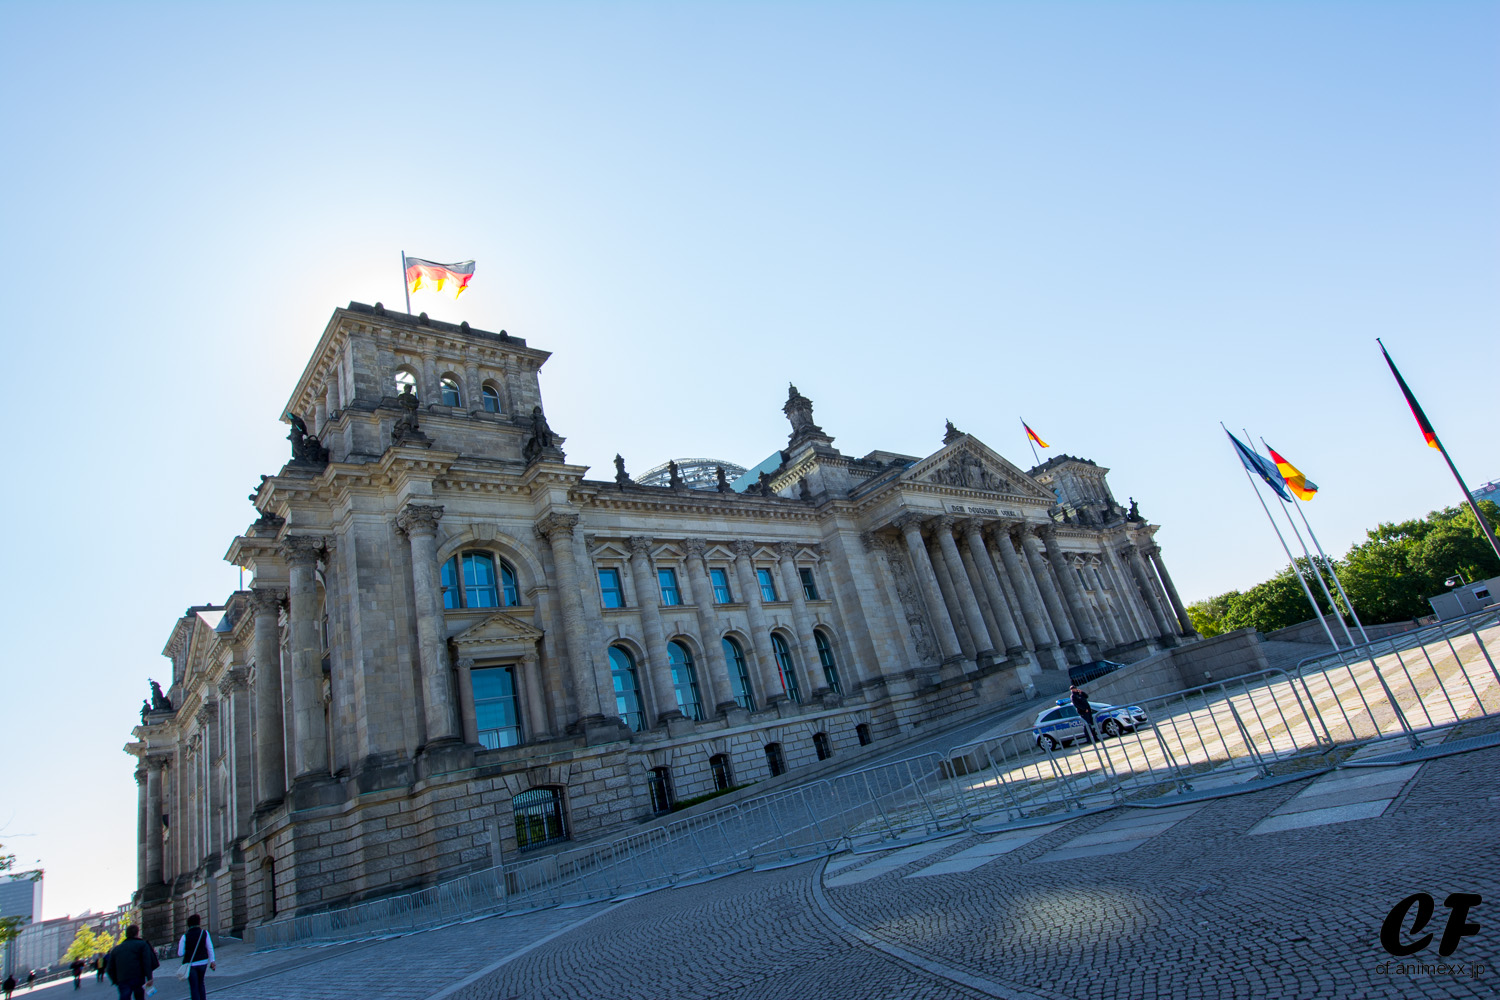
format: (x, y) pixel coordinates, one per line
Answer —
(77, 969)
(130, 965)
(9, 986)
(1085, 710)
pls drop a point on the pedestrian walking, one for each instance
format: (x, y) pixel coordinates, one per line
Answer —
(30, 979)
(98, 968)
(9, 986)
(1085, 710)
(196, 949)
(77, 968)
(131, 963)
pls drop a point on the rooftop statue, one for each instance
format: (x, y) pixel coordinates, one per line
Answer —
(305, 446)
(723, 479)
(159, 701)
(622, 478)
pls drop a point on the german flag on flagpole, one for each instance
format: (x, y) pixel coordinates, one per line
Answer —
(425, 272)
(1033, 435)
(1299, 484)
(1416, 408)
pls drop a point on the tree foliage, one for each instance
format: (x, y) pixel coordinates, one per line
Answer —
(1389, 576)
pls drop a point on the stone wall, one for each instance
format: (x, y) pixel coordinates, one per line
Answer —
(1311, 632)
(1232, 654)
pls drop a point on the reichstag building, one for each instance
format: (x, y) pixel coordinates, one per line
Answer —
(455, 646)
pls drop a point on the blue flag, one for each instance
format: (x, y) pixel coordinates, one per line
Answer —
(1262, 467)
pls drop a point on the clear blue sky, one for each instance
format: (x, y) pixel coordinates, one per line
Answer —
(1123, 221)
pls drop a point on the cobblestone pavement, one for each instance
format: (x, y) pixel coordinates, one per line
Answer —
(1196, 900)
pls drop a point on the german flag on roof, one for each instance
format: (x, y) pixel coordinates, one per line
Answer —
(425, 272)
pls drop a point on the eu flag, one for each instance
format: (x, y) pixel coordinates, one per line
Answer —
(1262, 467)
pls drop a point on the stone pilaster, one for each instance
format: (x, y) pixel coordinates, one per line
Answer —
(143, 828)
(309, 731)
(1185, 624)
(531, 682)
(767, 675)
(270, 736)
(466, 701)
(812, 667)
(210, 795)
(984, 643)
(234, 693)
(696, 579)
(989, 584)
(419, 522)
(909, 524)
(155, 778)
(658, 669)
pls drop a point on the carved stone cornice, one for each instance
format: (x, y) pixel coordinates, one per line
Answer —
(694, 547)
(417, 518)
(640, 545)
(302, 550)
(555, 523)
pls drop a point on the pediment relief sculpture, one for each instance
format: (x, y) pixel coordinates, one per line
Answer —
(967, 470)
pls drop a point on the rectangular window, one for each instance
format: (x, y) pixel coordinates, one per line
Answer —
(767, 585)
(809, 588)
(496, 713)
(609, 588)
(668, 580)
(720, 581)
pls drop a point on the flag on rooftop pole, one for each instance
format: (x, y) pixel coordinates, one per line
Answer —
(420, 273)
(1432, 442)
(1034, 439)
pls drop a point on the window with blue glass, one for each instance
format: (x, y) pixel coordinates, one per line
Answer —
(669, 593)
(739, 674)
(685, 681)
(496, 713)
(450, 392)
(491, 399)
(720, 580)
(767, 585)
(809, 586)
(478, 580)
(825, 657)
(627, 688)
(787, 670)
(609, 588)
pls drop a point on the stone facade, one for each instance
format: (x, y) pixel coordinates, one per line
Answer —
(455, 646)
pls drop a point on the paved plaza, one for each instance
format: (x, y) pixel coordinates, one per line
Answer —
(1277, 893)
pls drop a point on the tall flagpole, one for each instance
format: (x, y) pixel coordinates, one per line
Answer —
(1427, 428)
(1317, 612)
(1318, 572)
(404, 286)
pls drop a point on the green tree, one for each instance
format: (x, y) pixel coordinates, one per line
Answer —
(85, 943)
(1208, 615)
(1391, 574)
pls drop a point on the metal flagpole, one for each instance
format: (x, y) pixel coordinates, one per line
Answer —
(404, 286)
(1317, 571)
(1484, 525)
(1034, 457)
(1317, 613)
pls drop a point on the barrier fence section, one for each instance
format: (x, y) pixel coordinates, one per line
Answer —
(1216, 739)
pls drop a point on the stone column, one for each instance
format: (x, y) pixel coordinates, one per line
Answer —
(270, 738)
(595, 701)
(1091, 609)
(419, 522)
(1143, 581)
(208, 715)
(768, 677)
(1012, 599)
(1083, 626)
(143, 828)
(531, 679)
(1136, 617)
(909, 524)
(1185, 623)
(1107, 614)
(696, 579)
(984, 653)
(431, 393)
(658, 668)
(989, 585)
(310, 735)
(1026, 593)
(466, 701)
(154, 779)
(812, 666)
(473, 392)
(950, 599)
(1056, 613)
(234, 693)
(331, 394)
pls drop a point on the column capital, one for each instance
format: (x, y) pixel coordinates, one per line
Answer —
(207, 713)
(302, 550)
(640, 545)
(869, 541)
(943, 522)
(968, 524)
(157, 763)
(234, 679)
(530, 659)
(787, 551)
(465, 663)
(694, 547)
(267, 600)
(416, 518)
(908, 521)
(1047, 530)
(140, 776)
(557, 523)
(744, 548)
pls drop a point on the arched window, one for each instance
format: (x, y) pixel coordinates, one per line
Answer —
(784, 665)
(822, 745)
(660, 786)
(775, 759)
(449, 386)
(739, 674)
(825, 657)
(491, 399)
(487, 582)
(406, 382)
(539, 817)
(685, 681)
(723, 775)
(627, 688)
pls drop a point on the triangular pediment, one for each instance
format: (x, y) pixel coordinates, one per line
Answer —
(969, 464)
(498, 629)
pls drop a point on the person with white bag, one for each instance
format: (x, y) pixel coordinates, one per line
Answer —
(196, 949)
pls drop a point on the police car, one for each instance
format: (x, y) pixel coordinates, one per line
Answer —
(1060, 725)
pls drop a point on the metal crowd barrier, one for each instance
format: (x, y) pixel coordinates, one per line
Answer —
(1217, 739)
